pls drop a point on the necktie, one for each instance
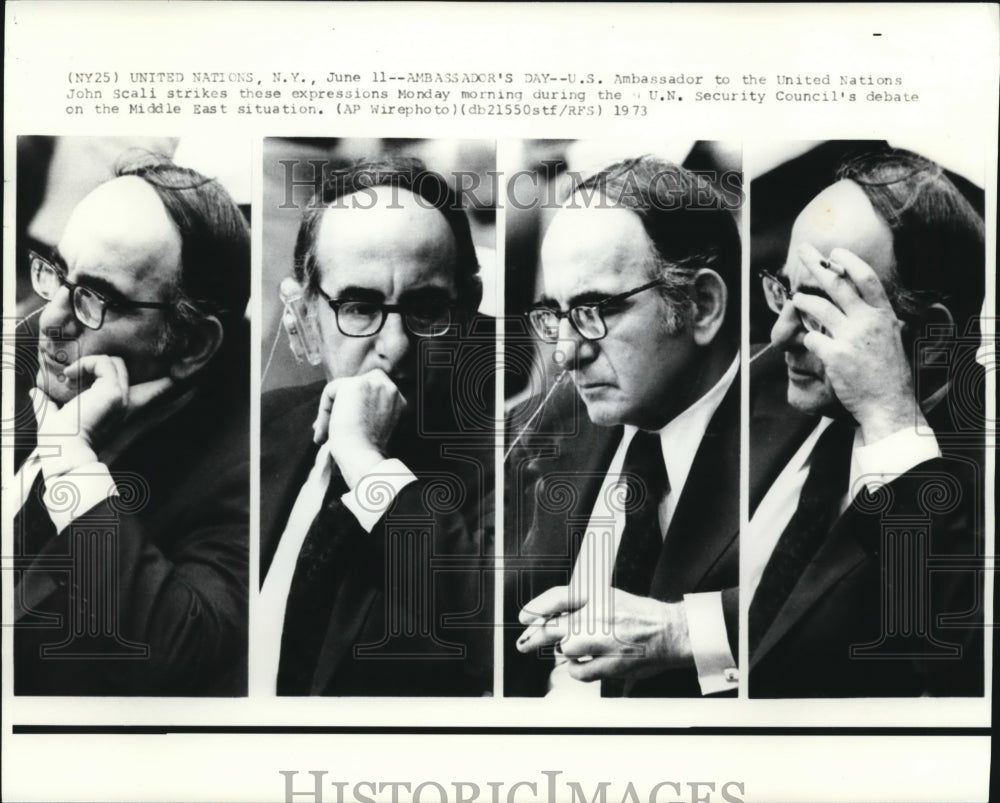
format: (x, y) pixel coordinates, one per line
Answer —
(645, 476)
(318, 574)
(818, 509)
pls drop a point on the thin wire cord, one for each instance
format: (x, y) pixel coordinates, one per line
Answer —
(270, 357)
(534, 415)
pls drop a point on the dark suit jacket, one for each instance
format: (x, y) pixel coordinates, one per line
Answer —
(171, 556)
(363, 651)
(553, 478)
(847, 629)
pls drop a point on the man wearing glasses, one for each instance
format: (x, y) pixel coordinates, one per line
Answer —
(374, 545)
(132, 485)
(621, 556)
(864, 551)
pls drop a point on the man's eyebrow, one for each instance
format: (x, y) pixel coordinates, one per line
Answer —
(429, 293)
(808, 289)
(813, 291)
(589, 297)
(102, 287)
(356, 293)
(56, 258)
(96, 283)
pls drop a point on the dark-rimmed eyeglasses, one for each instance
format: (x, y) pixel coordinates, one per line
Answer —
(366, 318)
(88, 305)
(587, 319)
(777, 293)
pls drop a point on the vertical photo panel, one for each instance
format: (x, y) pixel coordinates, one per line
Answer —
(622, 462)
(131, 427)
(865, 551)
(377, 419)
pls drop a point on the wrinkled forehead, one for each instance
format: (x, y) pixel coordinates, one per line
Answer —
(594, 248)
(385, 228)
(841, 216)
(122, 231)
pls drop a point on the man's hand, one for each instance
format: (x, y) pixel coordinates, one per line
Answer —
(101, 402)
(87, 421)
(358, 415)
(624, 636)
(862, 348)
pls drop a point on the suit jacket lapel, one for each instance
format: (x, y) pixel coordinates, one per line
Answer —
(840, 553)
(706, 519)
(287, 455)
(565, 487)
(777, 430)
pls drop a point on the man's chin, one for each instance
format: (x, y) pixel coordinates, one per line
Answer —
(813, 398)
(603, 413)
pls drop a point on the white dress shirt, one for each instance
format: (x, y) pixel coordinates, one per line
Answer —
(872, 465)
(88, 482)
(368, 506)
(680, 440)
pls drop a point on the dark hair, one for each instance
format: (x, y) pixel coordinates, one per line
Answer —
(215, 245)
(937, 236)
(686, 219)
(400, 173)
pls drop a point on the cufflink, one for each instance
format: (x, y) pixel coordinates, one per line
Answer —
(731, 674)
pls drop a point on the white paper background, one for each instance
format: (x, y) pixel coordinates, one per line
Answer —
(946, 54)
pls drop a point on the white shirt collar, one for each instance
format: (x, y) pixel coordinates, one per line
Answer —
(683, 434)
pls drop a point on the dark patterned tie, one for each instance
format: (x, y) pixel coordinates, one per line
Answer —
(817, 511)
(646, 478)
(319, 571)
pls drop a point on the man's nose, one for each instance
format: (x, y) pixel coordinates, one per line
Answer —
(572, 349)
(787, 332)
(58, 314)
(392, 343)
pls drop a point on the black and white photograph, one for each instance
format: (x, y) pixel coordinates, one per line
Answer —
(377, 428)
(623, 459)
(131, 491)
(865, 551)
(499, 402)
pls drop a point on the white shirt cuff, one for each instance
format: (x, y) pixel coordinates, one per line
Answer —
(888, 458)
(717, 671)
(71, 494)
(374, 492)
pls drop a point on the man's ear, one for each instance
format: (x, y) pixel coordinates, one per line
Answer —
(937, 332)
(202, 340)
(930, 350)
(709, 306)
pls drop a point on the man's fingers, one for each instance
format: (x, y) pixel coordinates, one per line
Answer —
(599, 668)
(551, 602)
(819, 344)
(110, 371)
(322, 423)
(823, 311)
(542, 632)
(831, 277)
(863, 276)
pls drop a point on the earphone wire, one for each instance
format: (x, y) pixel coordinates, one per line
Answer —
(534, 415)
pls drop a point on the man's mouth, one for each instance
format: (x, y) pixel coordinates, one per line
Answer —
(800, 373)
(590, 385)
